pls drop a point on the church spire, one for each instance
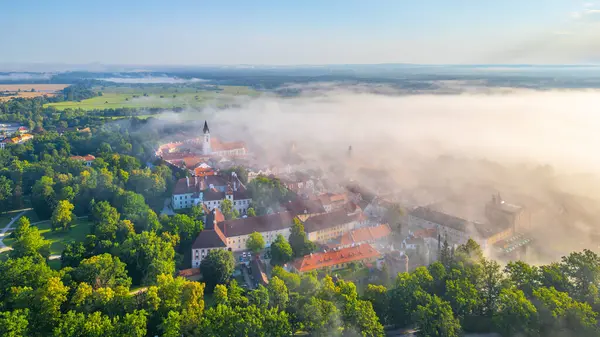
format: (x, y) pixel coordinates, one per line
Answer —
(206, 130)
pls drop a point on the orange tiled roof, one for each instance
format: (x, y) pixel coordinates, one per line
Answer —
(202, 171)
(426, 233)
(365, 234)
(335, 257)
(89, 157)
(189, 272)
(217, 145)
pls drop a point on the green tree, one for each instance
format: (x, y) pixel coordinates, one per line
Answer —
(379, 298)
(584, 271)
(523, 276)
(45, 305)
(235, 295)
(259, 297)
(278, 293)
(217, 267)
(281, 251)
(462, 296)
(6, 192)
(251, 211)
(227, 209)
(147, 255)
(491, 284)
(300, 244)
(185, 226)
(255, 243)
(27, 272)
(558, 312)
(393, 215)
(66, 193)
(171, 325)
(105, 220)
(28, 241)
(72, 255)
(292, 280)
(62, 217)
(434, 318)
(220, 294)
(102, 271)
(552, 276)
(42, 197)
(516, 316)
(132, 325)
(320, 317)
(359, 317)
(14, 323)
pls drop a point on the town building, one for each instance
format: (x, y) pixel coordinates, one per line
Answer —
(504, 214)
(324, 227)
(233, 234)
(457, 230)
(203, 170)
(193, 152)
(211, 190)
(304, 208)
(335, 259)
(269, 226)
(333, 201)
(211, 237)
(16, 140)
(370, 235)
(88, 160)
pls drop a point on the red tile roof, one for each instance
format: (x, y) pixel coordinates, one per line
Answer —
(426, 233)
(365, 234)
(189, 272)
(217, 145)
(330, 198)
(335, 257)
(89, 157)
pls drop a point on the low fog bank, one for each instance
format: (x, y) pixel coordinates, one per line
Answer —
(151, 80)
(538, 149)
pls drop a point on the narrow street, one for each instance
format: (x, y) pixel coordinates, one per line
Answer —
(247, 278)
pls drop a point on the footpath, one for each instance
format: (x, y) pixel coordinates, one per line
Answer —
(6, 228)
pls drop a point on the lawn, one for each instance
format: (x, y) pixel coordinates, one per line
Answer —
(59, 239)
(156, 97)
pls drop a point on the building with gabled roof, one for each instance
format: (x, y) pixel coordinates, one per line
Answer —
(233, 234)
(324, 227)
(211, 190)
(88, 159)
(304, 208)
(362, 235)
(336, 258)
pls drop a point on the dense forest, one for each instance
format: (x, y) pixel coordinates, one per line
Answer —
(120, 280)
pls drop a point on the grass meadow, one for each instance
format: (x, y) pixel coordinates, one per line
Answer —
(155, 97)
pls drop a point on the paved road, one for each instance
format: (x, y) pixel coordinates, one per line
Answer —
(5, 229)
(167, 208)
(247, 278)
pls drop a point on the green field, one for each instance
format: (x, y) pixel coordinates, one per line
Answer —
(155, 97)
(59, 239)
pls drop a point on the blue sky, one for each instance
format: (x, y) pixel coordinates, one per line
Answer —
(299, 32)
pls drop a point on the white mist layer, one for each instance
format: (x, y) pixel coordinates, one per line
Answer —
(150, 80)
(560, 128)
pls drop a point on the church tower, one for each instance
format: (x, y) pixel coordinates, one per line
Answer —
(206, 144)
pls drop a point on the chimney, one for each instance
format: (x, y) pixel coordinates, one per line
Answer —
(187, 179)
